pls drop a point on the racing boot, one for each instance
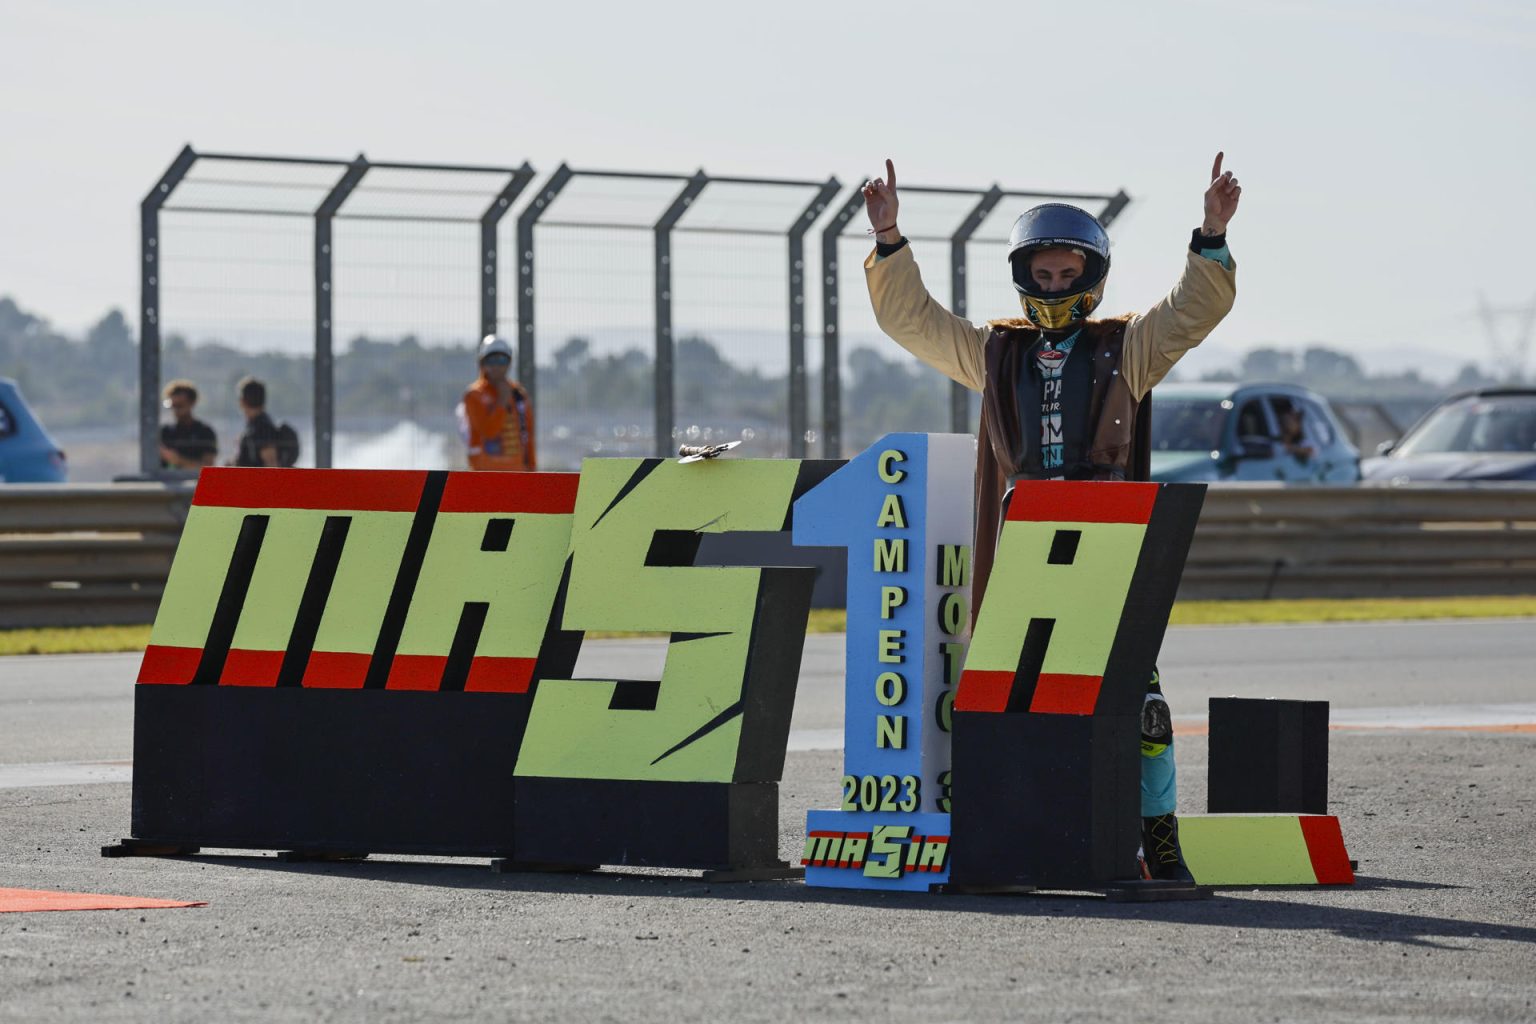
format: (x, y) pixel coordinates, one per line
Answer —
(1160, 849)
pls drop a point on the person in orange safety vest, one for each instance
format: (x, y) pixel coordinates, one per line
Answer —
(498, 414)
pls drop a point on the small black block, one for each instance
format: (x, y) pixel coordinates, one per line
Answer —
(1268, 756)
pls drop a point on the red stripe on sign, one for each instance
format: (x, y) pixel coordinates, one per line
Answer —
(169, 666)
(1325, 845)
(336, 670)
(348, 490)
(1082, 501)
(981, 690)
(1061, 693)
(510, 492)
(416, 672)
(500, 675)
(251, 668)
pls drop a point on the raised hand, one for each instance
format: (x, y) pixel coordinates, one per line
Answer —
(881, 204)
(1220, 199)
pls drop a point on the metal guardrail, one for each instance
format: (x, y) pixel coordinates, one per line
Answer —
(98, 554)
(87, 554)
(1419, 540)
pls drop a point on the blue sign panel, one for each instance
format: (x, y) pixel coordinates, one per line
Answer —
(903, 510)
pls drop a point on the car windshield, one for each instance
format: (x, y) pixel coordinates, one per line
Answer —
(1188, 424)
(1504, 423)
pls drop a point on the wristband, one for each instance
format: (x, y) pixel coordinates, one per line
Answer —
(1198, 241)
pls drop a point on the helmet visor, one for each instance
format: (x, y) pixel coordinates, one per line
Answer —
(1024, 280)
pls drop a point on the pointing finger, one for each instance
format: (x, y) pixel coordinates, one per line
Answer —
(890, 172)
(1216, 167)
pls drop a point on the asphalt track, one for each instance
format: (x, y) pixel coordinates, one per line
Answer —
(1432, 760)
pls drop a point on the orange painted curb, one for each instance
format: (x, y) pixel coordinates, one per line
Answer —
(21, 901)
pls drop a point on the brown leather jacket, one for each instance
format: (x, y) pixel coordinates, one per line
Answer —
(1131, 354)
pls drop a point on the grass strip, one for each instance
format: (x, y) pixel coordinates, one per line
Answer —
(101, 639)
(73, 640)
(1384, 609)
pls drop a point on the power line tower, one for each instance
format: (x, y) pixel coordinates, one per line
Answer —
(1509, 353)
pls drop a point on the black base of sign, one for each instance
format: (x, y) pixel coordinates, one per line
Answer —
(655, 824)
(1047, 801)
(325, 771)
(140, 848)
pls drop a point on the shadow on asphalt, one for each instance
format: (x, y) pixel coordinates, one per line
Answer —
(1226, 907)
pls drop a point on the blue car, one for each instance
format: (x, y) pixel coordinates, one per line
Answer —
(1269, 432)
(27, 454)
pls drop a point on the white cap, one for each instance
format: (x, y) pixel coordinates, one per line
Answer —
(492, 344)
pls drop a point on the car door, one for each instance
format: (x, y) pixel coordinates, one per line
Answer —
(1253, 441)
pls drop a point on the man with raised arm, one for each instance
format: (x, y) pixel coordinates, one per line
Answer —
(1061, 394)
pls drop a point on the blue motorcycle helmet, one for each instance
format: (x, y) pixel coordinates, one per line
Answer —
(1059, 226)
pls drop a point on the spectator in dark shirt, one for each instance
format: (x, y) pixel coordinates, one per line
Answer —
(258, 445)
(188, 443)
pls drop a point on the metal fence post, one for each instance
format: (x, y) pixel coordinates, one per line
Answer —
(149, 309)
(799, 399)
(959, 395)
(664, 369)
(490, 252)
(325, 365)
(1119, 201)
(831, 348)
(527, 372)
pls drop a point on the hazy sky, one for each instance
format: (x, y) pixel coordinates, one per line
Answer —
(1386, 150)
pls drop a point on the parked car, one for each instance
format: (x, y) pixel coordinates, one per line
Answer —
(27, 454)
(1488, 434)
(1216, 431)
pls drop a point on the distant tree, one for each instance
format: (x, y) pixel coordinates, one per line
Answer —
(1269, 364)
(572, 355)
(110, 337)
(886, 394)
(1471, 376)
(14, 320)
(619, 382)
(705, 381)
(1324, 367)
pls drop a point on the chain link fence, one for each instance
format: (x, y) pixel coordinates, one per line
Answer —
(648, 309)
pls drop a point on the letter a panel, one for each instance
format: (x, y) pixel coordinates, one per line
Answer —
(1047, 718)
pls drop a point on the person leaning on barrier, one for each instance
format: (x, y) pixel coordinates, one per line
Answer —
(1061, 394)
(498, 414)
(187, 442)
